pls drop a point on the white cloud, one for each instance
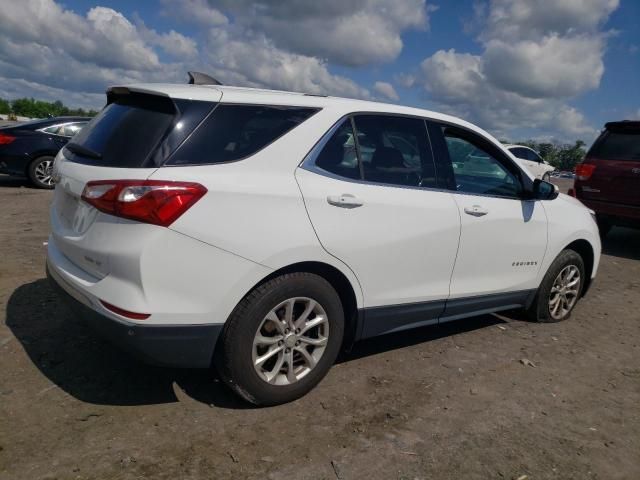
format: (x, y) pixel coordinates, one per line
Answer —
(536, 56)
(553, 66)
(49, 51)
(458, 85)
(257, 62)
(524, 19)
(196, 12)
(386, 90)
(348, 32)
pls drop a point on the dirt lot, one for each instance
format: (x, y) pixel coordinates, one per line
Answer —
(444, 402)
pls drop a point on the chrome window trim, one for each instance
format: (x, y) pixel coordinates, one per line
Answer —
(58, 125)
(308, 162)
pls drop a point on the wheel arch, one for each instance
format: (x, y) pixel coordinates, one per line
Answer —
(340, 282)
(32, 157)
(583, 248)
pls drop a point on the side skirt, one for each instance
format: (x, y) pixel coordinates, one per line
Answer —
(375, 321)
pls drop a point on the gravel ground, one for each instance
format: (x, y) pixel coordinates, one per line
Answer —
(487, 397)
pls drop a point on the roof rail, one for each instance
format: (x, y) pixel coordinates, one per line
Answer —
(198, 78)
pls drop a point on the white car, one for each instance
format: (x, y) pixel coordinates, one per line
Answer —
(532, 161)
(255, 230)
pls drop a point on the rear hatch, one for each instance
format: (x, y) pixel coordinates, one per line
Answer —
(615, 157)
(129, 139)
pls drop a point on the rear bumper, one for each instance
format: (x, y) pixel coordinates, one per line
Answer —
(189, 346)
(617, 213)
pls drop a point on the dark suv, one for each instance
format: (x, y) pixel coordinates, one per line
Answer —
(608, 181)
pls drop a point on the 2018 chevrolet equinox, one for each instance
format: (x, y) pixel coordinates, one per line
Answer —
(260, 231)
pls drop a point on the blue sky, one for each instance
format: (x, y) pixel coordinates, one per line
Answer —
(519, 68)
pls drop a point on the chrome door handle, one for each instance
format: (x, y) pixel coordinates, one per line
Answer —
(476, 211)
(345, 200)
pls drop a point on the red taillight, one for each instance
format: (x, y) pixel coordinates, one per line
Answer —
(125, 313)
(157, 202)
(584, 171)
(6, 139)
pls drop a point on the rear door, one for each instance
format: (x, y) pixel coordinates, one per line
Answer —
(616, 156)
(128, 139)
(372, 198)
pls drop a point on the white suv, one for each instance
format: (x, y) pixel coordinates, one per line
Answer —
(532, 160)
(262, 231)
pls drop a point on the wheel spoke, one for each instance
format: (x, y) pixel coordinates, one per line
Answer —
(275, 371)
(316, 342)
(272, 351)
(308, 358)
(305, 315)
(291, 376)
(262, 340)
(319, 320)
(288, 312)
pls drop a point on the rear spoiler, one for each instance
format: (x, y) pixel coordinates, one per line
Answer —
(151, 99)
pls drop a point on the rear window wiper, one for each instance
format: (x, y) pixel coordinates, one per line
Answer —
(84, 151)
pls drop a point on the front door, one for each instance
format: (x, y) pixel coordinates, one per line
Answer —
(503, 237)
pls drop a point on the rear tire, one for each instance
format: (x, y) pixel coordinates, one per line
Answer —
(560, 289)
(40, 172)
(296, 321)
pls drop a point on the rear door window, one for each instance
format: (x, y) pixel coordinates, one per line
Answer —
(394, 150)
(617, 146)
(234, 132)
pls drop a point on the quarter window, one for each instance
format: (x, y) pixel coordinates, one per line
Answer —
(476, 168)
(234, 132)
(338, 155)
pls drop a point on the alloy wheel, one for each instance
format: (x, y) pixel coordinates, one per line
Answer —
(43, 172)
(290, 341)
(564, 292)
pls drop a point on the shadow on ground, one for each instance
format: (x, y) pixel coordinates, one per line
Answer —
(75, 359)
(15, 182)
(623, 243)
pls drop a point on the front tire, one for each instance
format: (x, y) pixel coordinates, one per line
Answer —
(40, 172)
(282, 339)
(560, 289)
(546, 177)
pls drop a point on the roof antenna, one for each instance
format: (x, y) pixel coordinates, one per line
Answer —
(198, 78)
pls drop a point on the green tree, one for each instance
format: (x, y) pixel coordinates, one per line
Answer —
(29, 107)
(5, 106)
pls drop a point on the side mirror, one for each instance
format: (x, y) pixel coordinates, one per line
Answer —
(544, 190)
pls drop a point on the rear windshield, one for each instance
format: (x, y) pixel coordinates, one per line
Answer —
(234, 132)
(125, 132)
(617, 146)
